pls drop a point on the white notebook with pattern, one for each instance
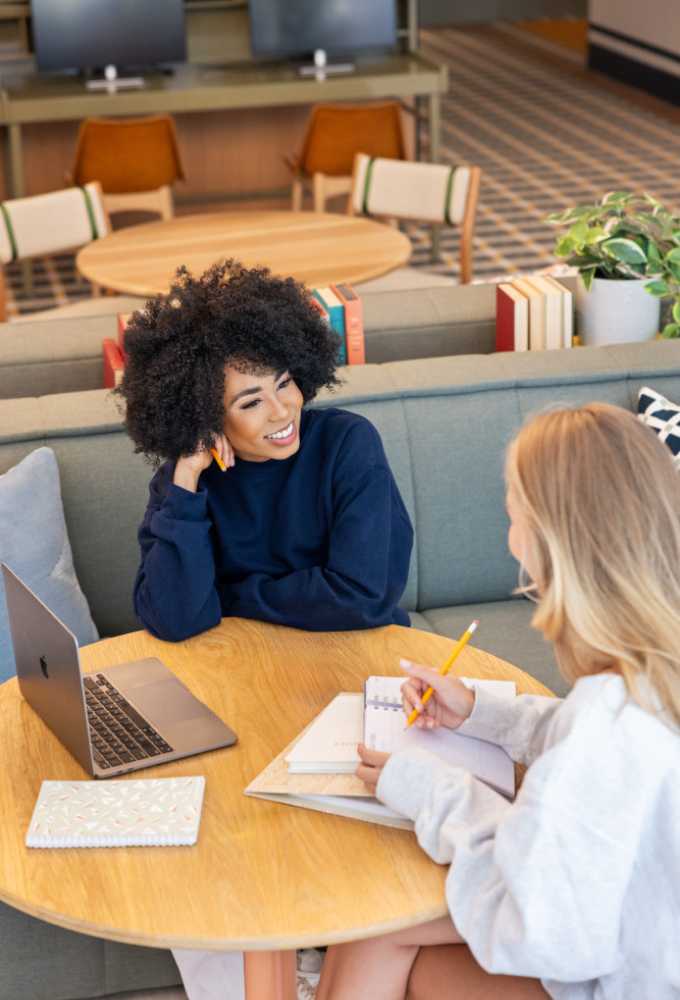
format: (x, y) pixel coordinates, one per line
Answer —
(146, 812)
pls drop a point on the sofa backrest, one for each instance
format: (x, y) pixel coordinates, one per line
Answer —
(445, 426)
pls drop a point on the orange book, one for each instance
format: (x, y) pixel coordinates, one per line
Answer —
(114, 365)
(354, 324)
(123, 320)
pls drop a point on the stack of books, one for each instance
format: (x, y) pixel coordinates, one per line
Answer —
(339, 305)
(114, 354)
(534, 313)
(342, 309)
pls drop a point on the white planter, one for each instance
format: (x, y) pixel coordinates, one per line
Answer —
(616, 312)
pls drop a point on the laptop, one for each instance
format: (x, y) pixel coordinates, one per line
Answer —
(121, 719)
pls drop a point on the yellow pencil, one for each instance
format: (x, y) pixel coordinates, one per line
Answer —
(444, 669)
(216, 455)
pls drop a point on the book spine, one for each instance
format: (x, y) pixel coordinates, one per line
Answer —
(505, 321)
(336, 318)
(123, 320)
(354, 324)
(114, 364)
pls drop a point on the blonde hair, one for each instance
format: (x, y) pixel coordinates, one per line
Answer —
(599, 497)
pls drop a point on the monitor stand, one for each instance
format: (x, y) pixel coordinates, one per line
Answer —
(322, 68)
(112, 82)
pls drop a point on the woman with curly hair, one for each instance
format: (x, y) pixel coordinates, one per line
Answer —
(305, 526)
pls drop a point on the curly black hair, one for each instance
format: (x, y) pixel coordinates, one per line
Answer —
(178, 345)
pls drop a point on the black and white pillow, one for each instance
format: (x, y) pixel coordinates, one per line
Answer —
(662, 416)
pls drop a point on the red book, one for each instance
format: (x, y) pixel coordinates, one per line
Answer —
(354, 324)
(512, 319)
(123, 320)
(114, 364)
(320, 308)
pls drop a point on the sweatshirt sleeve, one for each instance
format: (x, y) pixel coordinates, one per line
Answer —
(520, 725)
(365, 571)
(175, 594)
(536, 887)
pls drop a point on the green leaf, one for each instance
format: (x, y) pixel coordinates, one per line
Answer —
(671, 330)
(595, 235)
(564, 247)
(676, 311)
(587, 277)
(658, 288)
(673, 256)
(654, 258)
(616, 197)
(627, 251)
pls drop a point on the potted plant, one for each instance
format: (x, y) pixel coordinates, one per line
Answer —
(627, 251)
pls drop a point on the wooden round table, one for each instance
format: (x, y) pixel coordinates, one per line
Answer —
(263, 876)
(315, 247)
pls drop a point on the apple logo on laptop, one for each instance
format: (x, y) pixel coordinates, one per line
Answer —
(43, 666)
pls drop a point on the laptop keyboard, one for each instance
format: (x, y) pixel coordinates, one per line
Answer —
(119, 734)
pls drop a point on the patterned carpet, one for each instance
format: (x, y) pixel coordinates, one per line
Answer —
(544, 136)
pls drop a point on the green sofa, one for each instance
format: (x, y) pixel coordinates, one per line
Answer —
(445, 427)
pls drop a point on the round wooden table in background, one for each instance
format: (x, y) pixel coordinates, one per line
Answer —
(316, 248)
(263, 877)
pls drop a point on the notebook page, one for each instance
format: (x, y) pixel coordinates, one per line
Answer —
(385, 730)
(387, 690)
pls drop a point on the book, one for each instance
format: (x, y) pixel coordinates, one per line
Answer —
(512, 319)
(151, 812)
(336, 317)
(354, 324)
(553, 311)
(377, 717)
(123, 320)
(567, 310)
(114, 364)
(536, 312)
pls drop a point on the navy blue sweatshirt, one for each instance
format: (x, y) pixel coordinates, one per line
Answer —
(318, 541)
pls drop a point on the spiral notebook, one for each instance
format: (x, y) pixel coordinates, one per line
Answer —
(316, 771)
(148, 812)
(329, 746)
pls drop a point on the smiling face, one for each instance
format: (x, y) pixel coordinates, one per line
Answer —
(261, 414)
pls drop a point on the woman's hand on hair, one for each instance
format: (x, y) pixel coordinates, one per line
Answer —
(370, 768)
(189, 467)
(450, 703)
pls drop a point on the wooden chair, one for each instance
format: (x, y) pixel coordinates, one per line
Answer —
(136, 161)
(335, 133)
(49, 223)
(425, 192)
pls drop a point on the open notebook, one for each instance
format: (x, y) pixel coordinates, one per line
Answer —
(317, 770)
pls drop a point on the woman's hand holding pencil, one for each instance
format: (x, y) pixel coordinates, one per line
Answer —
(431, 698)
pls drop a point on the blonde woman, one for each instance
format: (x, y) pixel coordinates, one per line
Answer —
(572, 891)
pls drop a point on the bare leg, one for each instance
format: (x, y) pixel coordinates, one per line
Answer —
(379, 967)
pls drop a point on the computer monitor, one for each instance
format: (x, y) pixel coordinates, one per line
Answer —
(297, 28)
(92, 34)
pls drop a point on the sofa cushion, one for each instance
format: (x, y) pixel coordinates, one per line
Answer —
(49, 963)
(35, 545)
(663, 417)
(504, 630)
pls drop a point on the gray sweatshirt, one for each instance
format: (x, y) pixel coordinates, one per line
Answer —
(577, 882)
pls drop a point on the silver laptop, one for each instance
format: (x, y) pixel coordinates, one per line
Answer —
(121, 719)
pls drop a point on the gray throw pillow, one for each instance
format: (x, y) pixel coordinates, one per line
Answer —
(35, 545)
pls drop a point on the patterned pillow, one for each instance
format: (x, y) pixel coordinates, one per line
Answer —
(662, 416)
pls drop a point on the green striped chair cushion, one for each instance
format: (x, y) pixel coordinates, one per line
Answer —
(50, 223)
(430, 192)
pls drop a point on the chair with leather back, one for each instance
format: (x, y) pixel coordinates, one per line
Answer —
(136, 161)
(47, 224)
(335, 133)
(426, 192)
